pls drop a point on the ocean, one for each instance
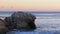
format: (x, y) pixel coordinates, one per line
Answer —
(46, 23)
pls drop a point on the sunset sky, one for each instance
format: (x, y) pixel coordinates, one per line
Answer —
(33, 5)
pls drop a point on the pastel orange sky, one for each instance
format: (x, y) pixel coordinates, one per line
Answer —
(25, 5)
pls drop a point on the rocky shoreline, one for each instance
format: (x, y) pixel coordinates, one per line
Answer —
(22, 21)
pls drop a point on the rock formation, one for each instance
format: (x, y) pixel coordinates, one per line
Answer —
(3, 27)
(21, 21)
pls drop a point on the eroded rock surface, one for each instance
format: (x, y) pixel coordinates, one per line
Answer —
(21, 21)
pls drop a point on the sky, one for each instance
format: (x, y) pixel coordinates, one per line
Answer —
(30, 5)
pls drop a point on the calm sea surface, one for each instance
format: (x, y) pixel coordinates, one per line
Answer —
(46, 23)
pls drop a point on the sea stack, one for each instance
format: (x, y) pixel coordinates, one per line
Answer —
(21, 21)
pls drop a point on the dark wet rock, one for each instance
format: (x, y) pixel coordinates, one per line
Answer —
(3, 27)
(21, 21)
(9, 23)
